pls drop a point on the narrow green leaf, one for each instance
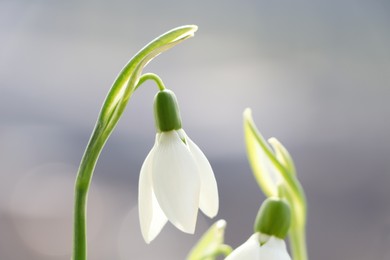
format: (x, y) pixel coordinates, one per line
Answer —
(282, 155)
(263, 170)
(263, 155)
(211, 244)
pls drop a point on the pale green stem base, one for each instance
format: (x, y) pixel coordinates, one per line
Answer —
(82, 184)
(298, 243)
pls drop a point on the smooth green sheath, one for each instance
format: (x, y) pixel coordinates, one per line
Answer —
(115, 103)
(273, 218)
(166, 111)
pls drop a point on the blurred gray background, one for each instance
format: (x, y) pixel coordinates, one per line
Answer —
(315, 73)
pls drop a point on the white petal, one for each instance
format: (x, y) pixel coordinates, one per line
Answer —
(152, 218)
(176, 182)
(247, 251)
(274, 249)
(208, 200)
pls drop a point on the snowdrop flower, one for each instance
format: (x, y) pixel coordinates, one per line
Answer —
(271, 226)
(273, 249)
(176, 178)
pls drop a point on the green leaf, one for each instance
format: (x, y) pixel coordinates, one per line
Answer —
(268, 170)
(282, 155)
(211, 244)
(257, 149)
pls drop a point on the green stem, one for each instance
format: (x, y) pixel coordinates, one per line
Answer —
(298, 243)
(151, 76)
(112, 109)
(82, 184)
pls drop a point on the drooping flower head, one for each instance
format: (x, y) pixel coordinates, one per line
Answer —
(271, 226)
(273, 248)
(176, 178)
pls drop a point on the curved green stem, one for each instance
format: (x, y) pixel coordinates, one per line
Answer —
(151, 76)
(83, 180)
(112, 109)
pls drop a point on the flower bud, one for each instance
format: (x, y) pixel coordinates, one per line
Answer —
(274, 218)
(166, 111)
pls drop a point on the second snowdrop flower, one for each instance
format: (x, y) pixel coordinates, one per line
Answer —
(271, 226)
(176, 178)
(273, 249)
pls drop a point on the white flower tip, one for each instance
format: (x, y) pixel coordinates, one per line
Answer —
(208, 200)
(212, 212)
(151, 234)
(153, 231)
(152, 218)
(273, 140)
(221, 224)
(248, 112)
(146, 238)
(187, 225)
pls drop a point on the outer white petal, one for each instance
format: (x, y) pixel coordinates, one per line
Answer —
(152, 218)
(208, 201)
(274, 249)
(176, 182)
(247, 251)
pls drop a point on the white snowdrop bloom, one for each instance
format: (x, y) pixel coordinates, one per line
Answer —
(175, 180)
(273, 249)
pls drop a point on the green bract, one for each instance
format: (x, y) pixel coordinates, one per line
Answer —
(166, 111)
(273, 218)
